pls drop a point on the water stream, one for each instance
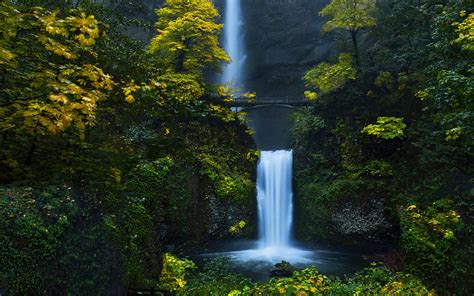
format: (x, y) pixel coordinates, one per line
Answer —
(275, 198)
(233, 42)
(275, 212)
(274, 182)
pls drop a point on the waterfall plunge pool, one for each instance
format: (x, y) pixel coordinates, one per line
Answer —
(251, 259)
(275, 217)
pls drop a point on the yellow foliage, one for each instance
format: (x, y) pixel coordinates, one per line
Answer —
(116, 174)
(310, 95)
(174, 271)
(250, 96)
(49, 95)
(187, 39)
(238, 227)
(87, 28)
(57, 47)
(54, 26)
(465, 31)
(328, 78)
(6, 57)
(129, 90)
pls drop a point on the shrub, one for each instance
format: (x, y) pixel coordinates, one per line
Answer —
(428, 237)
(217, 278)
(378, 280)
(174, 272)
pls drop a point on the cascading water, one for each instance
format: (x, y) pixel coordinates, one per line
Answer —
(275, 198)
(275, 212)
(274, 179)
(274, 174)
(233, 44)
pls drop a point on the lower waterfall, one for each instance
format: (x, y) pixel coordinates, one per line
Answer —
(275, 198)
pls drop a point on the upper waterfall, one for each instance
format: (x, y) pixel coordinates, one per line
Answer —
(234, 45)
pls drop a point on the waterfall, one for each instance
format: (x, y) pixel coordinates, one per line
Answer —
(275, 214)
(275, 198)
(274, 171)
(233, 44)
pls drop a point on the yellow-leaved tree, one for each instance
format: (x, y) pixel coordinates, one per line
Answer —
(186, 45)
(188, 36)
(349, 15)
(49, 79)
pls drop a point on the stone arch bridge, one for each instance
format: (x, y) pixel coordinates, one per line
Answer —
(290, 102)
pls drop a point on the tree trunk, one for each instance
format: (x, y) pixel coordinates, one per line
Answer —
(179, 63)
(356, 48)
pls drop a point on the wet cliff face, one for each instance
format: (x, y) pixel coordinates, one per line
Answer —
(283, 41)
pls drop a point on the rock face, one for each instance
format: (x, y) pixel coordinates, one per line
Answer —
(283, 41)
(355, 219)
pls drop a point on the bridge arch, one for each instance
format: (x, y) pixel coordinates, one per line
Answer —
(291, 102)
(255, 107)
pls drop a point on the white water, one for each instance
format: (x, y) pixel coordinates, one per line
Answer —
(275, 213)
(274, 172)
(275, 198)
(234, 45)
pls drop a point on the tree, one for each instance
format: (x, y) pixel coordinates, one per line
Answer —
(188, 37)
(49, 79)
(327, 77)
(350, 15)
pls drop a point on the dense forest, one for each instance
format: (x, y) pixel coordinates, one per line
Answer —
(120, 154)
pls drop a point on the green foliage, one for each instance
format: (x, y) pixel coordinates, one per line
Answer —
(328, 78)
(375, 280)
(384, 79)
(306, 126)
(44, 232)
(305, 282)
(418, 69)
(216, 278)
(428, 237)
(170, 166)
(237, 188)
(351, 15)
(137, 165)
(174, 272)
(378, 280)
(386, 128)
(378, 168)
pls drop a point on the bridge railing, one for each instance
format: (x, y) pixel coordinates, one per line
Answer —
(242, 102)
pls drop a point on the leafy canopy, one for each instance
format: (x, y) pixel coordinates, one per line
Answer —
(327, 77)
(465, 30)
(386, 128)
(351, 15)
(188, 37)
(50, 80)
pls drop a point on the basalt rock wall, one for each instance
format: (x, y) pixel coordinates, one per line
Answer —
(283, 41)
